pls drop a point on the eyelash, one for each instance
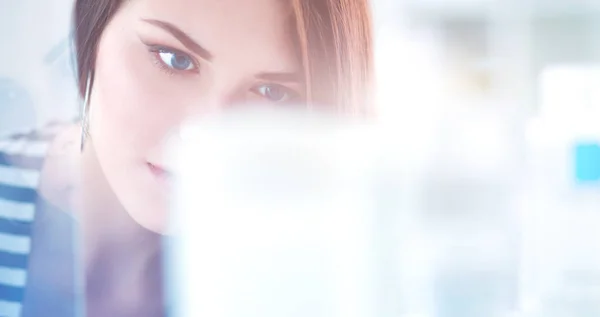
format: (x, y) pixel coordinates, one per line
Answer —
(292, 94)
(155, 50)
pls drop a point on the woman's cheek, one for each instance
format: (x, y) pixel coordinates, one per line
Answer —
(139, 100)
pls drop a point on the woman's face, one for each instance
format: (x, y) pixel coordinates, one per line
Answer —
(160, 62)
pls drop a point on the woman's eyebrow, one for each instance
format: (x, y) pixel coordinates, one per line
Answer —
(290, 77)
(180, 35)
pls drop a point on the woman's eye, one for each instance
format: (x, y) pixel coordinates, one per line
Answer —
(275, 93)
(176, 60)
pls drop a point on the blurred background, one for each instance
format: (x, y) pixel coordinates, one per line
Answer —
(36, 74)
(492, 107)
(501, 52)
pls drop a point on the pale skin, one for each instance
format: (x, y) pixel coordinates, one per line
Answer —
(148, 80)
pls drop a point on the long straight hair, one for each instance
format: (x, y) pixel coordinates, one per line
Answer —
(333, 37)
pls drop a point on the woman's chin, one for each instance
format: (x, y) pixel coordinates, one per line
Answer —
(151, 218)
(147, 201)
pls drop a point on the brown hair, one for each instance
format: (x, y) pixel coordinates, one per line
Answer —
(334, 41)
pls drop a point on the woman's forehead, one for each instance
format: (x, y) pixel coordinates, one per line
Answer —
(265, 19)
(226, 27)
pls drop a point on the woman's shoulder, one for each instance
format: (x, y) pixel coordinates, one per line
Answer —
(28, 149)
(24, 150)
(23, 160)
(23, 157)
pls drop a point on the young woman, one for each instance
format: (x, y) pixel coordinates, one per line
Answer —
(82, 210)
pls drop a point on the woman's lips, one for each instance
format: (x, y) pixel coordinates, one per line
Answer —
(159, 171)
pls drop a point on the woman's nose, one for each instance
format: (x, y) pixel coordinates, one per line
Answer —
(205, 106)
(212, 101)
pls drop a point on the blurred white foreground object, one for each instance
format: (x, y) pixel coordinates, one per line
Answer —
(459, 253)
(561, 255)
(292, 214)
(273, 217)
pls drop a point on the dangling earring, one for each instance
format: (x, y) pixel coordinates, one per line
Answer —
(85, 110)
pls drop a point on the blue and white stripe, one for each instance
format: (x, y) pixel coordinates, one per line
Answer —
(21, 159)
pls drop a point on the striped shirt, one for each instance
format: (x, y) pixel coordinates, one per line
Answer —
(21, 160)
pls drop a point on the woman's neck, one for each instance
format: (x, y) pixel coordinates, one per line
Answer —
(116, 249)
(109, 232)
(122, 259)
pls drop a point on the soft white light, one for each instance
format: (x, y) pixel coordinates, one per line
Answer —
(273, 217)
